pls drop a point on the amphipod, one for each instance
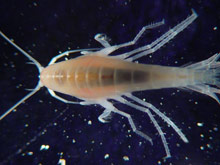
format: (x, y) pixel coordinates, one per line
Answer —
(95, 77)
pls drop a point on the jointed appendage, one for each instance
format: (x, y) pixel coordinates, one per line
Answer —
(67, 53)
(161, 41)
(163, 116)
(111, 108)
(53, 94)
(154, 46)
(143, 107)
(147, 111)
(105, 116)
(109, 49)
(102, 39)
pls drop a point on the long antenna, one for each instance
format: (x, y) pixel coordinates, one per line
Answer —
(38, 86)
(21, 101)
(38, 65)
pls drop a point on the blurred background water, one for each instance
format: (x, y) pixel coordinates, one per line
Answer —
(44, 130)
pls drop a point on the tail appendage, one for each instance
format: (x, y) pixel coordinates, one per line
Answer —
(211, 79)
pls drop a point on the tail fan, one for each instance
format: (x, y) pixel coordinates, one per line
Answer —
(211, 83)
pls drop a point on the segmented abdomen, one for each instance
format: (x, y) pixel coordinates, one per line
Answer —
(93, 77)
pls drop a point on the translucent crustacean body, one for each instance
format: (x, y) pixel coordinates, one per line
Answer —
(97, 77)
(93, 77)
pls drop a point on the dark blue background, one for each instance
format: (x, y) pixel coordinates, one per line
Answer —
(44, 28)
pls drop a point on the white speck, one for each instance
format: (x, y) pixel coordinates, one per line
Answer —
(172, 94)
(140, 143)
(74, 141)
(35, 4)
(208, 145)
(60, 153)
(126, 158)
(89, 122)
(158, 162)
(215, 28)
(202, 148)
(186, 158)
(30, 153)
(44, 147)
(200, 124)
(26, 125)
(62, 162)
(201, 135)
(106, 156)
(196, 102)
(215, 129)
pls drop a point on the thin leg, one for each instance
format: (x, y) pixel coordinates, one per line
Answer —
(164, 117)
(146, 110)
(109, 105)
(53, 94)
(134, 128)
(66, 53)
(105, 116)
(102, 39)
(161, 41)
(109, 50)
